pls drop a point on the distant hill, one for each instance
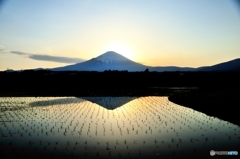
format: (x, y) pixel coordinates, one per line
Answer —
(233, 65)
(171, 68)
(114, 61)
(9, 70)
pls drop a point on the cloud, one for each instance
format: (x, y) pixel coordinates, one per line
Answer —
(42, 57)
(19, 53)
(3, 50)
(55, 58)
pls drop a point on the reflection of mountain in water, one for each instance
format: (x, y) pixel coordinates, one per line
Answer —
(109, 102)
(106, 102)
(147, 127)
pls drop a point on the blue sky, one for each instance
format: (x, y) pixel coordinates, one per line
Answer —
(52, 33)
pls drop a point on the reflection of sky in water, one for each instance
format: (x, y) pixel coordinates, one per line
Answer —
(143, 127)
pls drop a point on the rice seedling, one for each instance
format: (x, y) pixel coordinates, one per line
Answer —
(77, 127)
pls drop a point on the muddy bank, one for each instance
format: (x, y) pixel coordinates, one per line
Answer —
(222, 103)
(90, 92)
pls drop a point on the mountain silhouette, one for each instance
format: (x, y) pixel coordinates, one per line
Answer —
(109, 103)
(114, 61)
(233, 65)
(107, 61)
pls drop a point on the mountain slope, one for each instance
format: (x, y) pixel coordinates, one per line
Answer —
(109, 60)
(111, 57)
(171, 68)
(233, 65)
(114, 61)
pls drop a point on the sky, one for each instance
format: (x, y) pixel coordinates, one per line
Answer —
(53, 33)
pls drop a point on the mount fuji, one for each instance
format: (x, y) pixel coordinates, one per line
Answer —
(114, 61)
(107, 61)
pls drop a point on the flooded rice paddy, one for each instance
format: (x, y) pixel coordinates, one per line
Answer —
(107, 127)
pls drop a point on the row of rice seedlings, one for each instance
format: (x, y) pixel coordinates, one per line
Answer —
(149, 125)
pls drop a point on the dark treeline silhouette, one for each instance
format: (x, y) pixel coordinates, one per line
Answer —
(45, 82)
(219, 91)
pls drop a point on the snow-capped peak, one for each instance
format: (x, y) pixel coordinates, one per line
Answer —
(111, 57)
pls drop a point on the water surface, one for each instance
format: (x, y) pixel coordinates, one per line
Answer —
(106, 127)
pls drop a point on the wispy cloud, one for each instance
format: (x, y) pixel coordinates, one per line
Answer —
(42, 57)
(55, 58)
(2, 49)
(19, 53)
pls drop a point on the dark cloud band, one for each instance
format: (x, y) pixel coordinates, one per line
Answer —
(48, 57)
(55, 58)
(19, 53)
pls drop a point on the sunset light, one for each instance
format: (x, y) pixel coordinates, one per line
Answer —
(49, 33)
(121, 49)
(119, 79)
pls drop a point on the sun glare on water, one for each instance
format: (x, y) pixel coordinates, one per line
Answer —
(121, 49)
